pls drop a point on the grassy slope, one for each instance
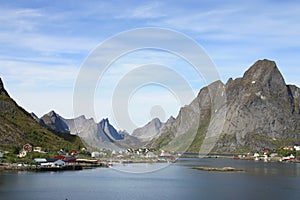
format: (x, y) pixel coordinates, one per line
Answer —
(17, 128)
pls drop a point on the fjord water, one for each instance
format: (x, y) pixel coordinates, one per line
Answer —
(176, 181)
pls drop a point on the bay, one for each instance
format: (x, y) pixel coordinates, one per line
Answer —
(174, 181)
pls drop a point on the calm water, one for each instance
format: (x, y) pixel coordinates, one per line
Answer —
(177, 181)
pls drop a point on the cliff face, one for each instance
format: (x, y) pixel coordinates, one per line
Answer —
(262, 110)
(252, 113)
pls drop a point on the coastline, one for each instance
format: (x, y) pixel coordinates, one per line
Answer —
(6, 167)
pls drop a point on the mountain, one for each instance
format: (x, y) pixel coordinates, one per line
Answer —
(262, 110)
(109, 131)
(251, 113)
(54, 122)
(152, 129)
(18, 127)
(97, 135)
(149, 131)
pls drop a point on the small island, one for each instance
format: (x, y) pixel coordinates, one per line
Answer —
(218, 169)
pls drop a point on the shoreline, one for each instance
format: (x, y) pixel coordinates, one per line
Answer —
(107, 163)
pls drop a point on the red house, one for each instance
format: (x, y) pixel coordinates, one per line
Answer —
(68, 159)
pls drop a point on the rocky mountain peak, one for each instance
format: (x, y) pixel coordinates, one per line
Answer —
(109, 131)
(1, 84)
(52, 113)
(54, 122)
(264, 72)
(2, 89)
(156, 121)
(170, 120)
(149, 131)
(104, 121)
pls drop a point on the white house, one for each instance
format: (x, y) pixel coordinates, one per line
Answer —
(95, 154)
(37, 149)
(50, 162)
(256, 155)
(22, 154)
(150, 155)
(297, 147)
(58, 163)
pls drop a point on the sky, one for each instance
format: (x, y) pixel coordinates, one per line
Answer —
(45, 44)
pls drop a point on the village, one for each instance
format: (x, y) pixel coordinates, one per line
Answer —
(284, 154)
(34, 158)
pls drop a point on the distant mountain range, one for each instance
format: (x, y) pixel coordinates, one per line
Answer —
(255, 112)
(98, 135)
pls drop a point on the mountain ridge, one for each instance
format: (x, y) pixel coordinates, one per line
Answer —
(96, 135)
(256, 111)
(260, 111)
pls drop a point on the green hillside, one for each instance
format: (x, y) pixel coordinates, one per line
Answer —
(17, 128)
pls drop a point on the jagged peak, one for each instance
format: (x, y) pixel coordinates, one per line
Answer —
(1, 84)
(81, 117)
(264, 71)
(2, 89)
(171, 118)
(155, 120)
(104, 120)
(52, 113)
(216, 83)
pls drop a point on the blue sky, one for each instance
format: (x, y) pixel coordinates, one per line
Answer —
(44, 43)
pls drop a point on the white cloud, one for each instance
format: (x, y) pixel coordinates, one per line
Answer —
(150, 10)
(28, 74)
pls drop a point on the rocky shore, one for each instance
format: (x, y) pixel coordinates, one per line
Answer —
(218, 169)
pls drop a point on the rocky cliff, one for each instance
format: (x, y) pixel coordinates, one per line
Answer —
(251, 113)
(262, 110)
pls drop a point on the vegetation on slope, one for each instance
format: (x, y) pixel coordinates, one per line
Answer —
(17, 128)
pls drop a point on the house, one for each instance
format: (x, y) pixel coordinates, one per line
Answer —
(74, 153)
(22, 154)
(272, 155)
(286, 158)
(67, 159)
(95, 154)
(165, 154)
(40, 160)
(49, 162)
(256, 155)
(297, 147)
(288, 148)
(150, 155)
(37, 149)
(27, 148)
(266, 152)
(55, 162)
